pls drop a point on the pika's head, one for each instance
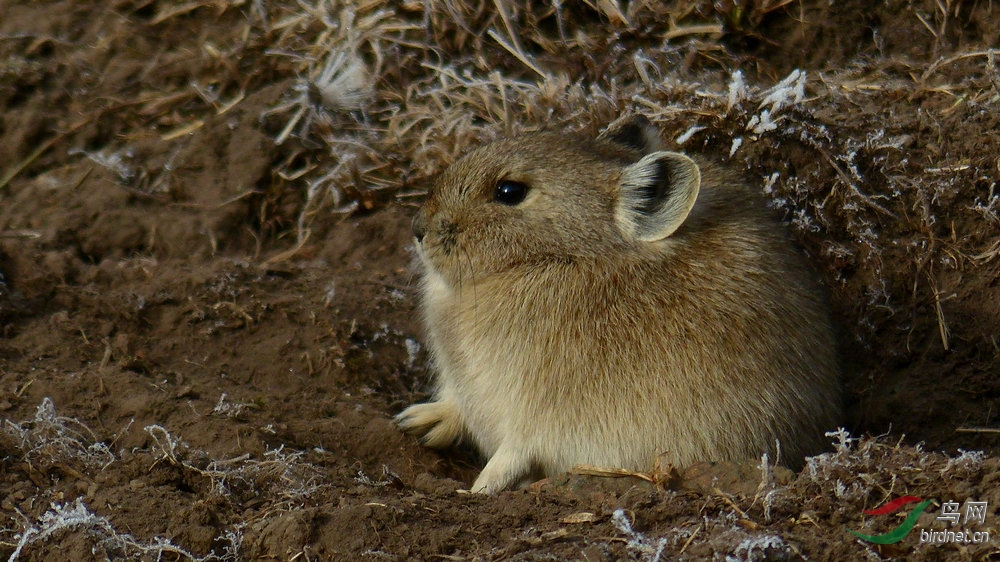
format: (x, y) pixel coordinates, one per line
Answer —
(546, 197)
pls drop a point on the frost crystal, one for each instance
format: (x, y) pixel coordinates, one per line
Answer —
(638, 542)
(788, 92)
(757, 548)
(966, 461)
(762, 123)
(769, 181)
(50, 437)
(686, 135)
(737, 143)
(737, 90)
(114, 161)
(78, 517)
(412, 349)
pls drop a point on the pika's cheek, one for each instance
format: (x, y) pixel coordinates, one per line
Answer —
(440, 271)
(436, 287)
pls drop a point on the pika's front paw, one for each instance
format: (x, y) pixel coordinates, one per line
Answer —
(508, 466)
(439, 422)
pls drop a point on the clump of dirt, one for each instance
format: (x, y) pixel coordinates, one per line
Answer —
(207, 314)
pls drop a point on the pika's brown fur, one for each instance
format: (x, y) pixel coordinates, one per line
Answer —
(634, 306)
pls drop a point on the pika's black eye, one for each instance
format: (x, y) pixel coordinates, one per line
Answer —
(510, 192)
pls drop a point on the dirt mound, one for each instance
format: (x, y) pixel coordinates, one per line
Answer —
(206, 304)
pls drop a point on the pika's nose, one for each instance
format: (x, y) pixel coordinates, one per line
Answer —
(419, 226)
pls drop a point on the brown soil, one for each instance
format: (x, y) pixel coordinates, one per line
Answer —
(205, 333)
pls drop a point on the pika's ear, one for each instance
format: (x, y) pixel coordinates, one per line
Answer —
(634, 132)
(657, 193)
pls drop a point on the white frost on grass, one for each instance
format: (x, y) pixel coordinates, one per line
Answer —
(769, 182)
(758, 548)
(686, 135)
(279, 472)
(637, 541)
(114, 161)
(760, 124)
(737, 91)
(801, 220)
(768, 490)
(54, 438)
(990, 208)
(76, 517)
(388, 478)
(412, 351)
(228, 408)
(847, 456)
(790, 91)
(737, 143)
(966, 461)
(785, 94)
(50, 438)
(844, 442)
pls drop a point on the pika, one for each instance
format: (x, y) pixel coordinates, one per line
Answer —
(600, 301)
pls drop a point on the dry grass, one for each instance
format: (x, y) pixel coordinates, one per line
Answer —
(381, 99)
(76, 517)
(384, 99)
(50, 439)
(281, 481)
(279, 472)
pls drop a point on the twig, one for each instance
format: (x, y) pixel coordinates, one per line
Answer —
(178, 11)
(270, 262)
(29, 234)
(846, 179)
(182, 131)
(517, 54)
(20, 166)
(977, 430)
(991, 69)
(943, 62)
(942, 325)
(691, 538)
(229, 201)
(989, 254)
(590, 470)
(706, 29)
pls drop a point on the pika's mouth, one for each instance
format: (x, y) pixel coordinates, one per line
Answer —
(418, 247)
(434, 234)
(429, 254)
(442, 256)
(439, 240)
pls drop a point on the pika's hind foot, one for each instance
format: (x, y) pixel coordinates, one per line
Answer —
(439, 422)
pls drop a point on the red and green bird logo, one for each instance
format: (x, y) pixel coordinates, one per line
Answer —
(904, 528)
